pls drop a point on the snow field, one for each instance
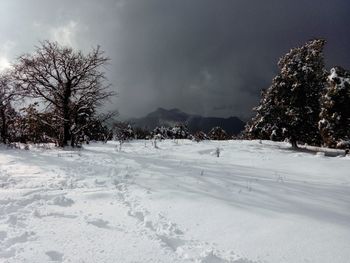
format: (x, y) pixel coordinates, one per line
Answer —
(177, 203)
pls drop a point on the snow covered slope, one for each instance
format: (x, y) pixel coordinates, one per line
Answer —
(178, 203)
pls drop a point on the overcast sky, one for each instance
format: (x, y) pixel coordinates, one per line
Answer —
(209, 57)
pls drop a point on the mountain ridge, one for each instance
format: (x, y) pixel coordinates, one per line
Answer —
(170, 117)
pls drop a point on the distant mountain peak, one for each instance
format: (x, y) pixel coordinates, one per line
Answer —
(175, 110)
(160, 109)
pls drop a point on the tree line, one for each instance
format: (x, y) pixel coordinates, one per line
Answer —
(305, 103)
(123, 131)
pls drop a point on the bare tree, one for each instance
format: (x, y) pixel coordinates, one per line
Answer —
(67, 81)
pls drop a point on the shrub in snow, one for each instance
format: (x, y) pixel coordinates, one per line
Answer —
(180, 131)
(217, 133)
(157, 137)
(13, 145)
(217, 152)
(290, 107)
(334, 125)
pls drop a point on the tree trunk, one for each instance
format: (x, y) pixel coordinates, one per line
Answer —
(66, 136)
(66, 130)
(293, 141)
(72, 140)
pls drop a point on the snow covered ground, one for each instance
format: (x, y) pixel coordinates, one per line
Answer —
(178, 203)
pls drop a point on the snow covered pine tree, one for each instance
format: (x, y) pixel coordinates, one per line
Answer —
(269, 122)
(335, 111)
(290, 107)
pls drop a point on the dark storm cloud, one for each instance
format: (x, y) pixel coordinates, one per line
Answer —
(202, 56)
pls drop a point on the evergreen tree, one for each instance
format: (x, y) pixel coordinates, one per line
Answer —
(180, 131)
(290, 107)
(269, 122)
(335, 114)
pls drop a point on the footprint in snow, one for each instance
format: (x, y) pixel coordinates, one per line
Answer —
(54, 255)
(171, 242)
(99, 223)
(137, 214)
(62, 201)
(100, 183)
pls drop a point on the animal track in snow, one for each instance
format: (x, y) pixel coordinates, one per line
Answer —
(171, 236)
